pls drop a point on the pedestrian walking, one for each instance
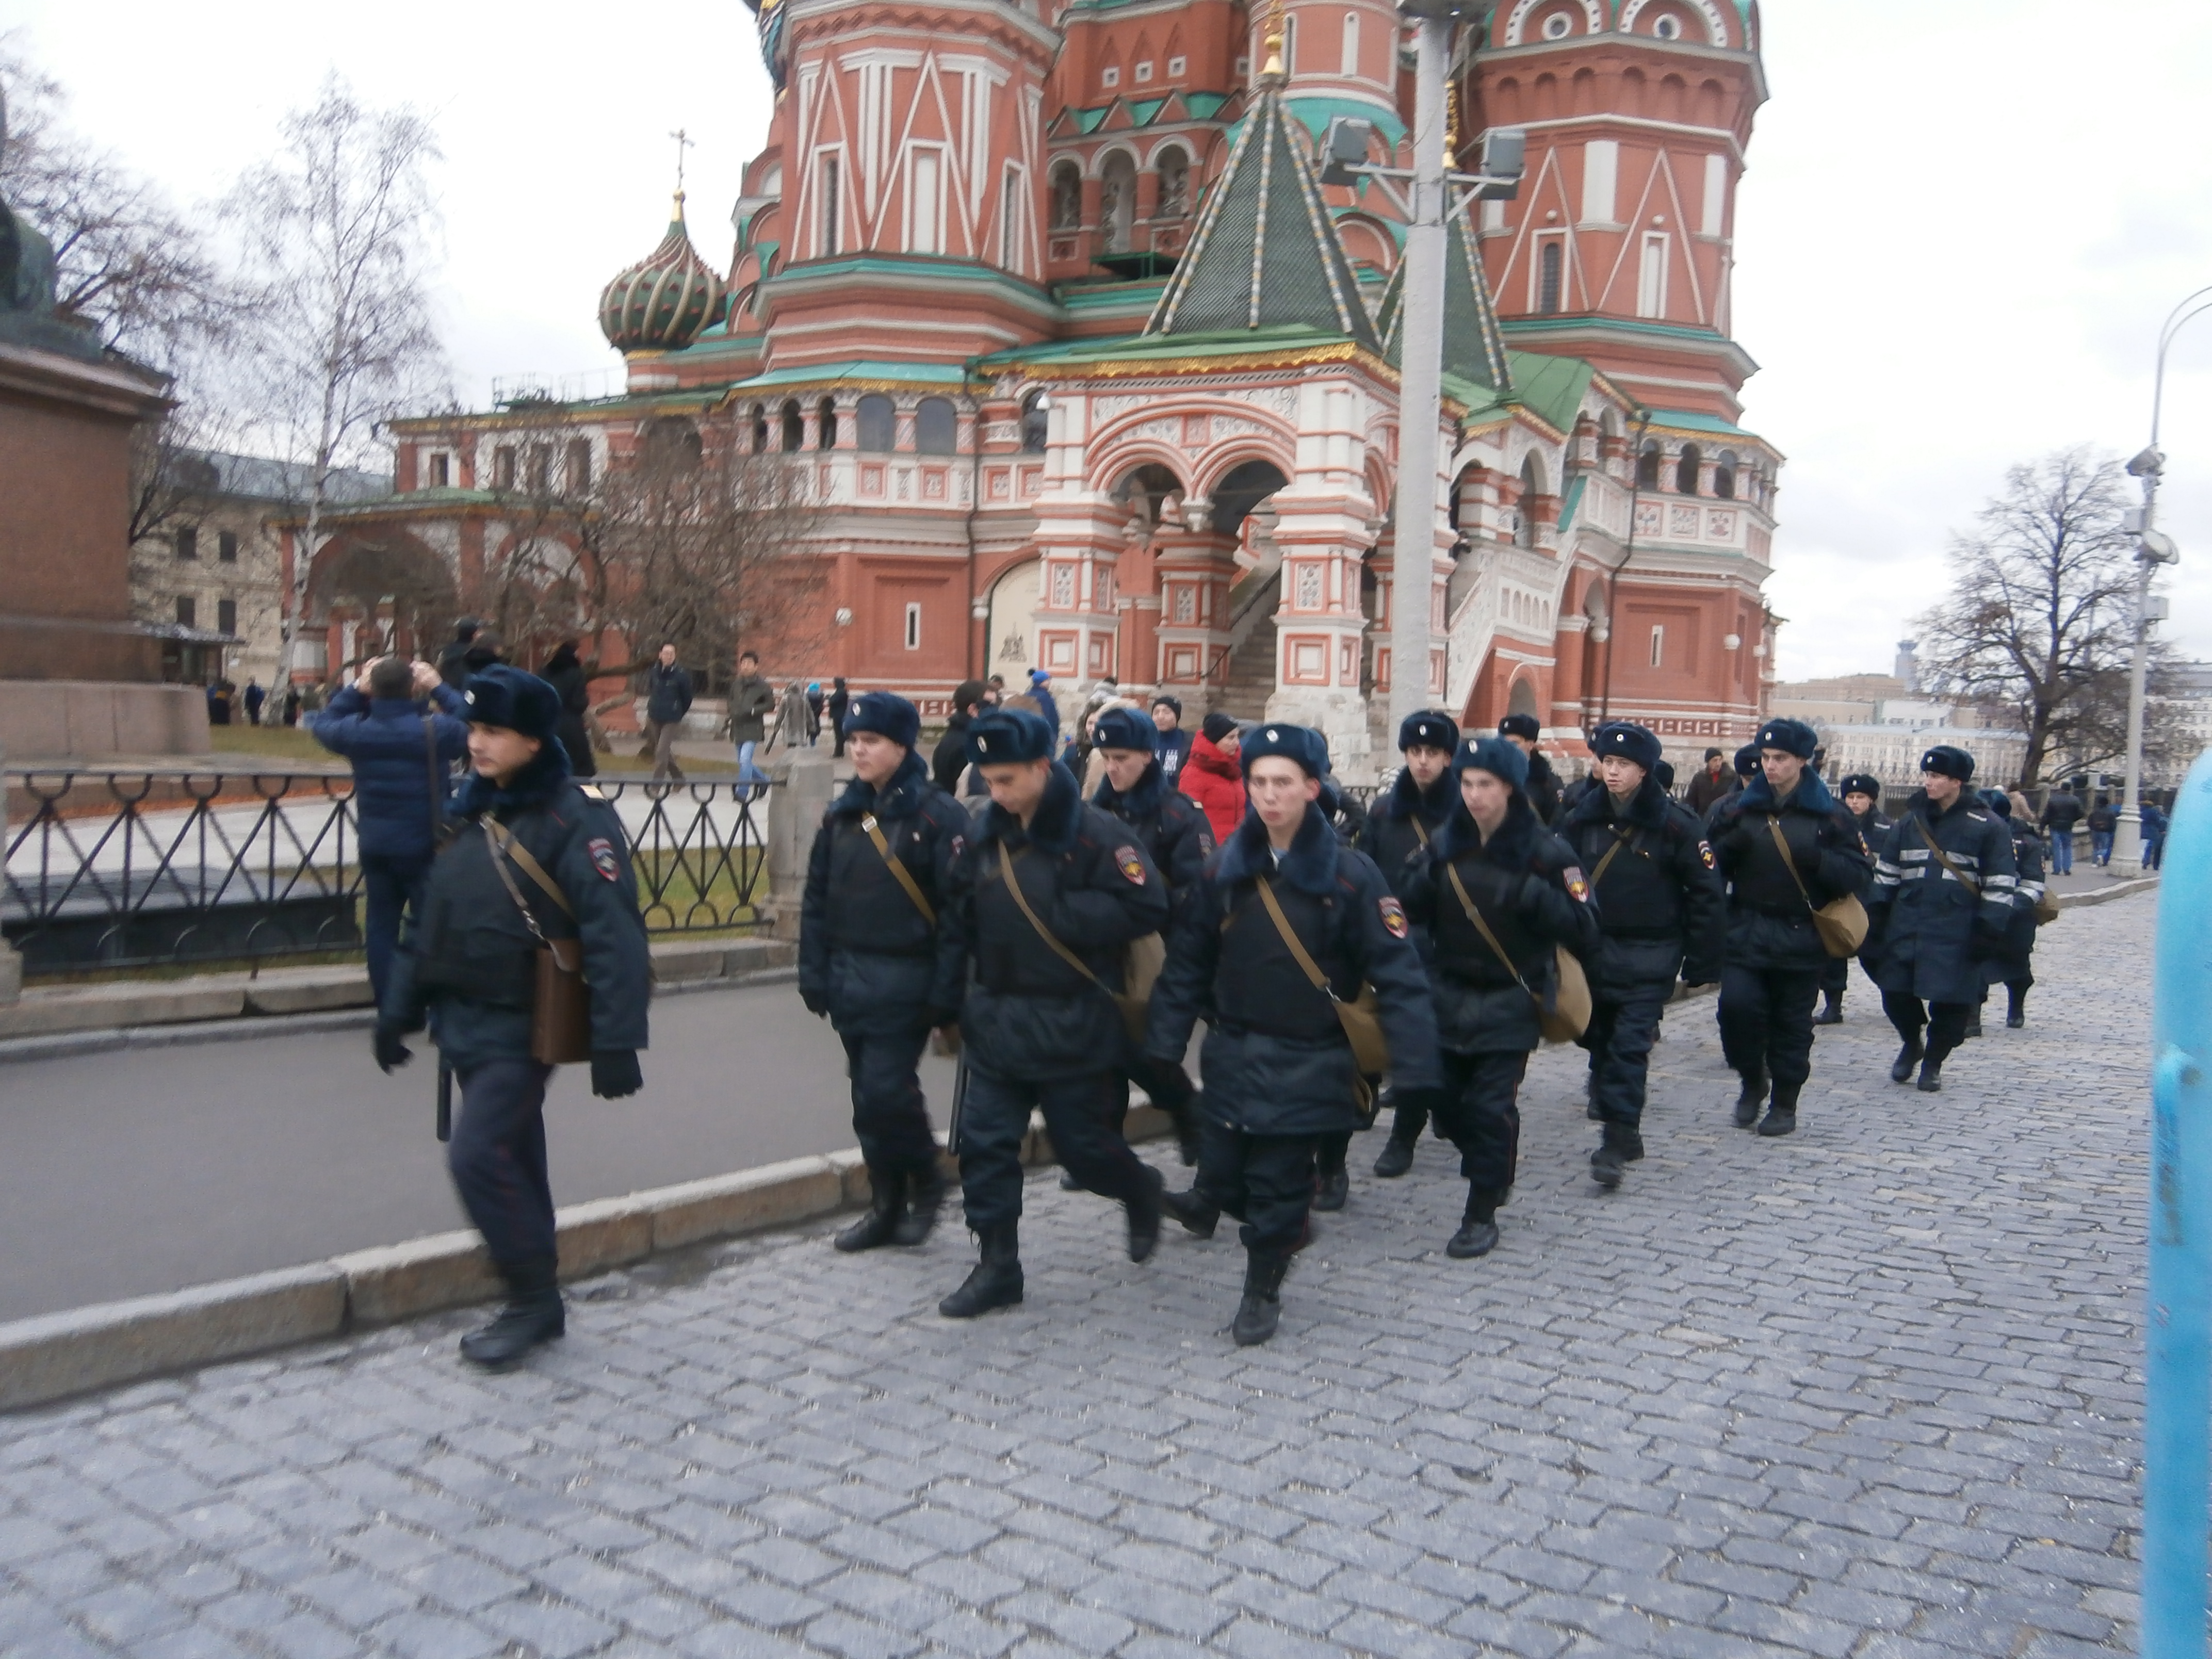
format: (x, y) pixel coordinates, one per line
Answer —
(1213, 776)
(1403, 821)
(2153, 834)
(667, 700)
(218, 702)
(1174, 741)
(1715, 783)
(793, 717)
(403, 730)
(839, 701)
(814, 703)
(1861, 793)
(1942, 903)
(452, 661)
(1786, 847)
(538, 865)
(2013, 963)
(2103, 821)
(1285, 927)
(2061, 812)
(1502, 896)
(1049, 898)
(1543, 789)
(950, 759)
(564, 672)
(1662, 916)
(291, 706)
(1040, 687)
(255, 696)
(752, 701)
(878, 959)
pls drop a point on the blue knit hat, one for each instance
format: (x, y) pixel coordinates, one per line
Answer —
(1299, 743)
(1495, 755)
(1628, 740)
(498, 695)
(887, 715)
(1791, 737)
(1008, 736)
(1948, 762)
(1428, 728)
(1125, 728)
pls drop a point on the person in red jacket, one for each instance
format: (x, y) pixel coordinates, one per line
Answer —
(1211, 777)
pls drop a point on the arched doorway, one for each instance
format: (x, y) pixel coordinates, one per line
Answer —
(1520, 698)
(387, 593)
(1011, 634)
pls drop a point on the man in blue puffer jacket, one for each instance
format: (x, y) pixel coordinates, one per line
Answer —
(403, 728)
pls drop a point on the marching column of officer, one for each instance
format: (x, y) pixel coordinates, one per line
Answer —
(1940, 907)
(1046, 902)
(535, 857)
(1662, 912)
(1279, 1070)
(1173, 830)
(2013, 964)
(1399, 827)
(1543, 789)
(876, 958)
(1861, 793)
(1500, 894)
(1787, 847)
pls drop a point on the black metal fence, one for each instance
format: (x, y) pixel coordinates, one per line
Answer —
(157, 868)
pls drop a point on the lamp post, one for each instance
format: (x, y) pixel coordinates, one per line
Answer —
(2153, 548)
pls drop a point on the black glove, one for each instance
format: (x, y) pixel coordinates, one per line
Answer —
(1530, 902)
(391, 1053)
(816, 1005)
(615, 1073)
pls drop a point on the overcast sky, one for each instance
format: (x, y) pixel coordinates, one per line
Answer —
(1961, 227)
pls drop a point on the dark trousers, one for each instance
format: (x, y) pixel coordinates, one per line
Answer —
(390, 886)
(1167, 1084)
(1407, 1119)
(890, 1117)
(1479, 1113)
(1766, 1022)
(1621, 1030)
(1331, 1151)
(1836, 977)
(498, 1156)
(1267, 1182)
(1946, 1021)
(1079, 1114)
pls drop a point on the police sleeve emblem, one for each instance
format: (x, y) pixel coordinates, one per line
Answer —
(1125, 860)
(1576, 887)
(1394, 917)
(1705, 852)
(605, 859)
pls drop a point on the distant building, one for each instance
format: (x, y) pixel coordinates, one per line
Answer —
(2185, 721)
(1875, 723)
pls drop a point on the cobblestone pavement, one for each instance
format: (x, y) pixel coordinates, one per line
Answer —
(1871, 1391)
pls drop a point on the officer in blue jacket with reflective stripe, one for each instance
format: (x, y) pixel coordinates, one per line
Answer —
(469, 965)
(877, 959)
(1942, 904)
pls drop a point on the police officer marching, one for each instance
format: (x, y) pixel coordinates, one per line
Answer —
(1787, 847)
(1542, 791)
(1047, 901)
(1500, 896)
(1861, 793)
(1942, 903)
(1173, 830)
(2012, 965)
(1662, 911)
(539, 863)
(1286, 927)
(1400, 827)
(876, 958)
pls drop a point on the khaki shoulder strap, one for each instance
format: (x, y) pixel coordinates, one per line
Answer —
(1021, 900)
(1473, 914)
(1420, 829)
(1957, 874)
(1619, 841)
(904, 876)
(504, 839)
(1790, 859)
(1306, 963)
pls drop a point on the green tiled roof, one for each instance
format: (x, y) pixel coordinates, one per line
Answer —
(1474, 349)
(1689, 420)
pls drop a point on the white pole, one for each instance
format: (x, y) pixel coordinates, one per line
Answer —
(1420, 391)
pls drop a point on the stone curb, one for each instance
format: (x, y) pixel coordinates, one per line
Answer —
(55, 1356)
(2118, 889)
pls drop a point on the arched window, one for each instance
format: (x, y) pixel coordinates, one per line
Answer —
(794, 427)
(1647, 465)
(1547, 276)
(875, 424)
(673, 441)
(1532, 486)
(934, 427)
(1174, 169)
(1117, 201)
(1036, 422)
(760, 429)
(1724, 476)
(1686, 470)
(1066, 196)
(825, 424)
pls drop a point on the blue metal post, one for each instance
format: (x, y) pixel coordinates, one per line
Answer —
(2178, 1381)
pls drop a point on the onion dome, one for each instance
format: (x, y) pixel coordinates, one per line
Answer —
(660, 303)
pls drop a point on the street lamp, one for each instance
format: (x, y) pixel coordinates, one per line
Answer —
(2152, 548)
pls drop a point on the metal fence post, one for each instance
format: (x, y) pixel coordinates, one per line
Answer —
(799, 795)
(2178, 1376)
(11, 963)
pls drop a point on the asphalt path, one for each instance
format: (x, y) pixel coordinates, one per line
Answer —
(131, 1173)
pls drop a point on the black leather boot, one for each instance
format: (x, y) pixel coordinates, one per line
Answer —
(1144, 1211)
(1397, 1156)
(886, 1209)
(925, 1191)
(1931, 1075)
(1332, 1181)
(1261, 1309)
(1198, 1214)
(1831, 1009)
(2015, 1009)
(1609, 1160)
(1901, 1070)
(1749, 1098)
(1781, 1117)
(1974, 1024)
(1477, 1229)
(533, 1313)
(996, 1281)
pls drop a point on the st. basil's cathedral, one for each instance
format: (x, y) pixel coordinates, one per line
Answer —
(1084, 369)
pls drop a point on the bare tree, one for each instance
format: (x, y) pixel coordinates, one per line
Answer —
(339, 233)
(2040, 621)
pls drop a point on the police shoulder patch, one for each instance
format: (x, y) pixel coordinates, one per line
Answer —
(959, 845)
(1393, 916)
(1705, 852)
(1576, 887)
(1130, 864)
(605, 859)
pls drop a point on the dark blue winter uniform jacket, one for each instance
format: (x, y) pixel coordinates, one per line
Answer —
(1400, 825)
(1532, 895)
(1933, 931)
(868, 957)
(1171, 826)
(1276, 1061)
(2013, 958)
(390, 750)
(1028, 1015)
(1661, 906)
(469, 960)
(1770, 922)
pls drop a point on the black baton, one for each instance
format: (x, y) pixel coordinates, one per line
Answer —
(959, 1102)
(445, 1100)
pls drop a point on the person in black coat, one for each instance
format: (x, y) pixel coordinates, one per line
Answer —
(1039, 1019)
(950, 759)
(1495, 874)
(2013, 963)
(840, 701)
(468, 966)
(564, 672)
(1662, 911)
(1543, 789)
(1279, 1070)
(1775, 959)
(1172, 829)
(1942, 904)
(1862, 795)
(453, 665)
(1403, 822)
(1173, 742)
(876, 960)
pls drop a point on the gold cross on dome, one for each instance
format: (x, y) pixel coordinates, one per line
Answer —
(683, 142)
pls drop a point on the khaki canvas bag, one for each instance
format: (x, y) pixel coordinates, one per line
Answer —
(1569, 1016)
(1361, 1017)
(1141, 959)
(561, 1008)
(1841, 923)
